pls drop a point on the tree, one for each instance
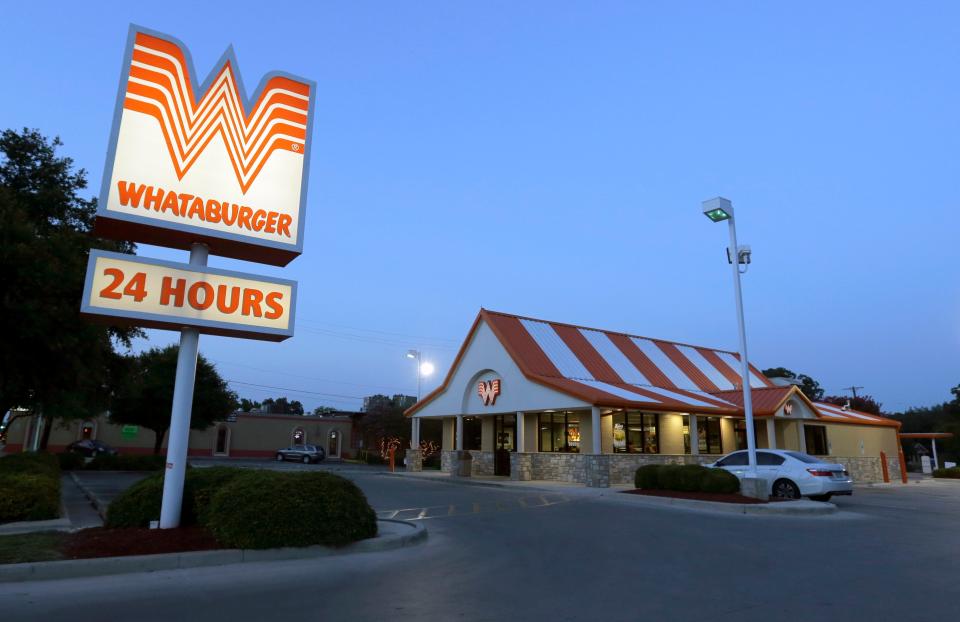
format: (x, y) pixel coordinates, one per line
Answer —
(383, 418)
(282, 406)
(145, 396)
(248, 405)
(52, 361)
(808, 386)
(320, 411)
(863, 403)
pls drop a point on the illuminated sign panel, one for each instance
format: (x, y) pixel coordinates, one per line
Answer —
(488, 390)
(191, 163)
(163, 294)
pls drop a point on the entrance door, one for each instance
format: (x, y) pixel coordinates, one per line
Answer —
(505, 435)
(333, 444)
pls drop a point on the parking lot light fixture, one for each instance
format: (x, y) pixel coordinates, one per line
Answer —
(717, 210)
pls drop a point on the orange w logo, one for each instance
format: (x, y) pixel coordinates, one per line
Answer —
(159, 85)
(488, 391)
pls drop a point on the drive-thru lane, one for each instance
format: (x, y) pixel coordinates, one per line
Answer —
(577, 558)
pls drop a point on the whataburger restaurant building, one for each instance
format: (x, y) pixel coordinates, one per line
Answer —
(539, 400)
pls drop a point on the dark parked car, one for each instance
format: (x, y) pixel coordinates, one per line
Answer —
(91, 449)
(301, 453)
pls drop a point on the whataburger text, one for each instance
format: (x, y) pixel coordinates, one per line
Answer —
(194, 208)
(172, 295)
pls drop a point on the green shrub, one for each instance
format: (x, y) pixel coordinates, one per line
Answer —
(137, 505)
(31, 462)
(668, 477)
(951, 473)
(140, 504)
(691, 477)
(646, 477)
(70, 461)
(201, 486)
(29, 496)
(123, 462)
(718, 480)
(269, 509)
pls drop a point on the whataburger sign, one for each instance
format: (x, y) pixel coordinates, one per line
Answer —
(206, 169)
(194, 163)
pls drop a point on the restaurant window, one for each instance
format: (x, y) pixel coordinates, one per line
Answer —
(472, 432)
(559, 432)
(740, 432)
(816, 438)
(636, 433)
(505, 432)
(708, 435)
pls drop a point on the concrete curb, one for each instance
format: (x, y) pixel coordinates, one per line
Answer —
(35, 526)
(98, 505)
(393, 534)
(463, 481)
(799, 507)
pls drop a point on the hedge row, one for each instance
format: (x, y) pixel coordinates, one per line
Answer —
(29, 487)
(257, 509)
(686, 478)
(951, 473)
(70, 461)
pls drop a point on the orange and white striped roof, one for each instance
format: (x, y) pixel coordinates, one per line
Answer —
(619, 370)
(832, 412)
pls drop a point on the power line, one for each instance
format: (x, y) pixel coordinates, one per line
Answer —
(274, 371)
(382, 332)
(288, 389)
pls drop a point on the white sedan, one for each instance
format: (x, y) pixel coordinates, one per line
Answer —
(792, 474)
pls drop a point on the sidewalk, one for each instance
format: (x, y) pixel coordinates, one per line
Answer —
(76, 512)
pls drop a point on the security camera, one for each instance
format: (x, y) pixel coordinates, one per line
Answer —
(743, 255)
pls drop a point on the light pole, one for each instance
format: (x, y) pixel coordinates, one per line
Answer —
(423, 368)
(718, 210)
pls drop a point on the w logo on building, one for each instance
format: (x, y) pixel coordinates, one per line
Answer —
(488, 390)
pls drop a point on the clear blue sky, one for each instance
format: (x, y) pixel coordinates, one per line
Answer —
(549, 159)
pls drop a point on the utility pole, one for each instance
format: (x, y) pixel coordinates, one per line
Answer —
(853, 389)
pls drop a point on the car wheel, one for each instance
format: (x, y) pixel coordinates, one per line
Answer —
(306, 459)
(279, 457)
(825, 497)
(785, 489)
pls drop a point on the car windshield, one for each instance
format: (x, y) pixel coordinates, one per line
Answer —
(803, 457)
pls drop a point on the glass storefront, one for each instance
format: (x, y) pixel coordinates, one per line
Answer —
(505, 432)
(559, 432)
(636, 433)
(472, 432)
(709, 440)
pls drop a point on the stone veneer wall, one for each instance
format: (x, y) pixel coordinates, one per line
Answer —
(559, 467)
(482, 462)
(865, 469)
(448, 461)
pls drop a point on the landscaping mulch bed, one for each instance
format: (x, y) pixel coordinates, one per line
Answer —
(103, 542)
(697, 496)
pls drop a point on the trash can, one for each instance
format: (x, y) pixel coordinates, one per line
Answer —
(464, 464)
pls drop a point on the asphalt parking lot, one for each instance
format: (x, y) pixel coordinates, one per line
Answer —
(505, 554)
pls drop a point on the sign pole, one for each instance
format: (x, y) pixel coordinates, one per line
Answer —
(179, 435)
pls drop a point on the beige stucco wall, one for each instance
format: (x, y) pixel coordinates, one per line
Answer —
(728, 440)
(606, 433)
(249, 435)
(844, 440)
(449, 434)
(671, 433)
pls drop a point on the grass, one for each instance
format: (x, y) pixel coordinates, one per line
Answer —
(31, 547)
